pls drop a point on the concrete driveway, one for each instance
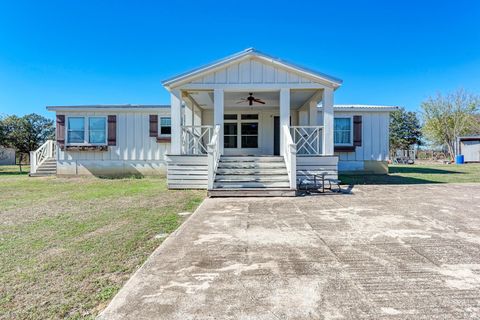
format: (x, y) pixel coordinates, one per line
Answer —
(385, 252)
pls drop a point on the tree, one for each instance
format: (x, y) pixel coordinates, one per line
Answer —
(26, 133)
(405, 130)
(450, 116)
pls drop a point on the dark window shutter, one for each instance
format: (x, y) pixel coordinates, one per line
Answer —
(357, 131)
(153, 125)
(60, 130)
(112, 130)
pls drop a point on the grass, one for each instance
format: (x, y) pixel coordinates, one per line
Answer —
(418, 174)
(67, 245)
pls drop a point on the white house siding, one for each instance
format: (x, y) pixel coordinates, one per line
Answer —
(135, 151)
(251, 71)
(372, 155)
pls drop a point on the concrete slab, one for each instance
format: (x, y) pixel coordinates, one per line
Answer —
(384, 252)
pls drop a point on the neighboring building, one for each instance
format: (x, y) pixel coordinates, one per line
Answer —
(224, 120)
(7, 156)
(469, 147)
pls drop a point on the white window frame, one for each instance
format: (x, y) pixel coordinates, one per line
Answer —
(239, 122)
(160, 126)
(351, 131)
(86, 135)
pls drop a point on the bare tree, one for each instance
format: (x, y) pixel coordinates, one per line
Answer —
(447, 117)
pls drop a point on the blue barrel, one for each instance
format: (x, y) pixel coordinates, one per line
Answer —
(459, 159)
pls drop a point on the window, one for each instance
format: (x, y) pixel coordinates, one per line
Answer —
(342, 131)
(76, 130)
(249, 116)
(230, 135)
(165, 126)
(87, 130)
(97, 130)
(250, 135)
(230, 117)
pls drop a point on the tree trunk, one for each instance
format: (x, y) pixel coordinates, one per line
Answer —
(20, 159)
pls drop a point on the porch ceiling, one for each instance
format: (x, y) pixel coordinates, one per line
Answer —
(272, 98)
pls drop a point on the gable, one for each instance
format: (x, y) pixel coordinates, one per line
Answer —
(250, 70)
(252, 67)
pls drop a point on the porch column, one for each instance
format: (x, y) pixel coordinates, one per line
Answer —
(176, 118)
(218, 106)
(312, 113)
(284, 114)
(328, 121)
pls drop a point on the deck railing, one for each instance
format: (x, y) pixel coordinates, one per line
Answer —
(213, 156)
(308, 139)
(290, 156)
(195, 139)
(37, 157)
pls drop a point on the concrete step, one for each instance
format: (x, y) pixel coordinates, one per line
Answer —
(242, 185)
(253, 192)
(41, 174)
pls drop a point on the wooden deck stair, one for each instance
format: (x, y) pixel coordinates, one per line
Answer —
(47, 168)
(245, 176)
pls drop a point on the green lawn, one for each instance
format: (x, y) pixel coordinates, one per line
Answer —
(68, 244)
(416, 174)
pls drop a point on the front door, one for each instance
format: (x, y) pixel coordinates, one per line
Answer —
(276, 136)
(241, 134)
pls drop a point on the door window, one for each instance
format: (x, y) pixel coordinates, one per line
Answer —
(230, 135)
(250, 135)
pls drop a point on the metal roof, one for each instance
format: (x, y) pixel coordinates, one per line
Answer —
(250, 52)
(365, 107)
(109, 106)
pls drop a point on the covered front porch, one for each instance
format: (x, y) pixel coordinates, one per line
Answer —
(243, 109)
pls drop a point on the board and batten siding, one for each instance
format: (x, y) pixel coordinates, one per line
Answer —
(375, 144)
(135, 151)
(251, 71)
(374, 151)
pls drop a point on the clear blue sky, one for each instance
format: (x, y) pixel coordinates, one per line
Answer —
(107, 52)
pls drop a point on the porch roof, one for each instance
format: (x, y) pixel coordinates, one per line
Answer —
(251, 52)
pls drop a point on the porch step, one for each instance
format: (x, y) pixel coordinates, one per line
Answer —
(250, 171)
(47, 168)
(251, 165)
(255, 159)
(251, 176)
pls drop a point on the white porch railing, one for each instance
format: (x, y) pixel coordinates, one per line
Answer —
(308, 139)
(213, 156)
(37, 157)
(195, 139)
(290, 156)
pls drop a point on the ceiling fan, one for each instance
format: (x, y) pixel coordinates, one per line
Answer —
(250, 99)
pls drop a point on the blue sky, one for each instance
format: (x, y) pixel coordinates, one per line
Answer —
(107, 52)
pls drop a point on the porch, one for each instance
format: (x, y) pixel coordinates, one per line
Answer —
(250, 105)
(225, 145)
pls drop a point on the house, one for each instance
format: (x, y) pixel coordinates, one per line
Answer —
(7, 156)
(469, 147)
(249, 121)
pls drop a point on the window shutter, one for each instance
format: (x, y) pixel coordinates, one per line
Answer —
(153, 125)
(357, 131)
(112, 130)
(60, 130)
